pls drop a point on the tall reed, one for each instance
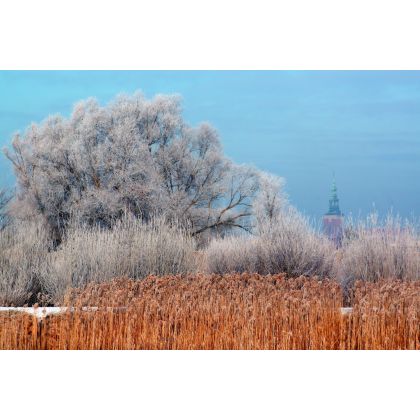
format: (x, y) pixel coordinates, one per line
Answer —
(224, 312)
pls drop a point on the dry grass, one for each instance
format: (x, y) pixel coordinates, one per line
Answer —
(225, 312)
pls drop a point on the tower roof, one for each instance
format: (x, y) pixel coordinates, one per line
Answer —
(334, 208)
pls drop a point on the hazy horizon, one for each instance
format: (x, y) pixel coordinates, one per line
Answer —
(302, 125)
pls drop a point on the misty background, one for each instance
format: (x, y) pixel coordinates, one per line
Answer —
(364, 126)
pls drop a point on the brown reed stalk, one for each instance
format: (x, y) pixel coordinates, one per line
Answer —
(237, 311)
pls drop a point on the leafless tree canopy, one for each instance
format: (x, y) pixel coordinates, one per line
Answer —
(133, 155)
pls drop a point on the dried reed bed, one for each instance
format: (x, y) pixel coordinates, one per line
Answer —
(224, 312)
(386, 315)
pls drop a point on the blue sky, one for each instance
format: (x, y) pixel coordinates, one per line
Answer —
(302, 125)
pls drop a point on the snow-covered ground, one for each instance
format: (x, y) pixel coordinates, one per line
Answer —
(42, 312)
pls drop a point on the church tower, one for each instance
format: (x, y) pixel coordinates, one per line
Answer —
(332, 222)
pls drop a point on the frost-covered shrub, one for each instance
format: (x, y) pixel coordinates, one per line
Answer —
(130, 248)
(4, 214)
(23, 251)
(284, 244)
(376, 251)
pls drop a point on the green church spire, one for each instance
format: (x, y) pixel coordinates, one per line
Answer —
(334, 209)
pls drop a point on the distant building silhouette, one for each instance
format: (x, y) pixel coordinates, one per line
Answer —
(332, 222)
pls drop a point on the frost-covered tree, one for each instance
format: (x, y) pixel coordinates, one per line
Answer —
(134, 155)
(270, 200)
